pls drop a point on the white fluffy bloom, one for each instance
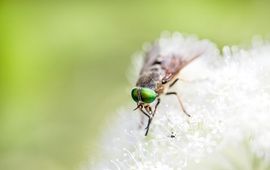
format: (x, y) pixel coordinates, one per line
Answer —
(228, 97)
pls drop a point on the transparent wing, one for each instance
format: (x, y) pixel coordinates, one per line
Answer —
(173, 53)
(173, 64)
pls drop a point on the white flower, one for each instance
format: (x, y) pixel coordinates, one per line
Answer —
(228, 97)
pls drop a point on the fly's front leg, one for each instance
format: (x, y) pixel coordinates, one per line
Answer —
(150, 117)
(148, 125)
(179, 100)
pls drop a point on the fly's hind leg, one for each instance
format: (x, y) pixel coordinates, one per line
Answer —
(178, 97)
(173, 83)
(179, 100)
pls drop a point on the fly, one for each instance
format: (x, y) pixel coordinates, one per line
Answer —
(158, 74)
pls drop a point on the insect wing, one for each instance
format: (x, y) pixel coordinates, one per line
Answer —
(171, 63)
(151, 56)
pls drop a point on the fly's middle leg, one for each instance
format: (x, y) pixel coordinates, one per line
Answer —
(180, 102)
(158, 101)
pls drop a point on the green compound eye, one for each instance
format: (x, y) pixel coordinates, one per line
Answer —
(148, 95)
(134, 94)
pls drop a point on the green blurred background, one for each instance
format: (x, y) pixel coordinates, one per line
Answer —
(63, 67)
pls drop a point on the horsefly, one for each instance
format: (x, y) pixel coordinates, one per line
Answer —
(158, 74)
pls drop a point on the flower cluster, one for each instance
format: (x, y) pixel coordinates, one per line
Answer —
(228, 96)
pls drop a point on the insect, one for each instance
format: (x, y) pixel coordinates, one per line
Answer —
(158, 74)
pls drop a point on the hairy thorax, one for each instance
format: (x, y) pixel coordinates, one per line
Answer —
(152, 78)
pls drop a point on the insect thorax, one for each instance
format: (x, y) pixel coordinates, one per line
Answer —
(151, 77)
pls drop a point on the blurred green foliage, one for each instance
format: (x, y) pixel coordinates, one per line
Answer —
(63, 66)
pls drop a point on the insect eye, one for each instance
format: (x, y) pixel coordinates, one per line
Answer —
(134, 94)
(148, 95)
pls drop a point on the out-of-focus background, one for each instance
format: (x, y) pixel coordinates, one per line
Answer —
(63, 66)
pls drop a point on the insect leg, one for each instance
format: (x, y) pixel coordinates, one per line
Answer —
(179, 100)
(173, 82)
(150, 117)
(158, 101)
(148, 125)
